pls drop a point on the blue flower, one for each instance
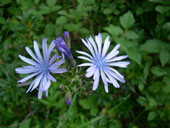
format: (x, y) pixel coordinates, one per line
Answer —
(40, 68)
(62, 47)
(100, 62)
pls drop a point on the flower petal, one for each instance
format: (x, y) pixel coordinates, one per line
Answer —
(28, 77)
(47, 85)
(98, 39)
(40, 90)
(112, 79)
(114, 70)
(90, 40)
(56, 64)
(84, 58)
(51, 47)
(59, 70)
(118, 58)
(50, 77)
(37, 51)
(84, 64)
(22, 70)
(116, 76)
(44, 47)
(31, 53)
(37, 81)
(89, 46)
(104, 81)
(84, 53)
(113, 53)
(53, 58)
(96, 79)
(90, 71)
(106, 46)
(27, 60)
(122, 64)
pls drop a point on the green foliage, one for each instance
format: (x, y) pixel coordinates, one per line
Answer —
(141, 27)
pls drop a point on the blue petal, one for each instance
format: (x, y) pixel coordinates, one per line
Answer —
(28, 77)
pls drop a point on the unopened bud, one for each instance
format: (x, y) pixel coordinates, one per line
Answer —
(68, 100)
(67, 38)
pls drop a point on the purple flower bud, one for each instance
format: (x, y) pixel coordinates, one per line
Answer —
(66, 35)
(67, 38)
(62, 47)
(68, 100)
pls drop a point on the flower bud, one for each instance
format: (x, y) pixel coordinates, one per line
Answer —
(67, 38)
(68, 100)
(62, 47)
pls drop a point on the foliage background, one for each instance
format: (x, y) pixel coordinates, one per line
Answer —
(142, 28)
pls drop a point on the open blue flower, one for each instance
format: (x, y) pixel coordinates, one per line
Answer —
(41, 67)
(101, 62)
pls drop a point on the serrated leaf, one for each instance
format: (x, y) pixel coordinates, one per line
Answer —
(61, 20)
(142, 101)
(153, 46)
(131, 35)
(135, 55)
(166, 87)
(51, 2)
(72, 27)
(86, 103)
(114, 30)
(152, 102)
(166, 26)
(25, 124)
(94, 110)
(141, 86)
(49, 29)
(127, 20)
(164, 57)
(151, 116)
(55, 8)
(158, 71)
(162, 9)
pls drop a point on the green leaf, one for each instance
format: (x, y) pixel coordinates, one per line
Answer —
(152, 102)
(2, 20)
(49, 29)
(151, 116)
(142, 101)
(72, 27)
(114, 30)
(166, 87)
(158, 71)
(135, 55)
(131, 35)
(166, 26)
(55, 8)
(164, 57)
(61, 20)
(153, 46)
(107, 11)
(51, 2)
(94, 110)
(86, 103)
(162, 9)
(44, 9)
(141, 86)
(127, 20)
(25, 124)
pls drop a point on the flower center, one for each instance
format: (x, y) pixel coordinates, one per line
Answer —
(100, 62)
(43, 67)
